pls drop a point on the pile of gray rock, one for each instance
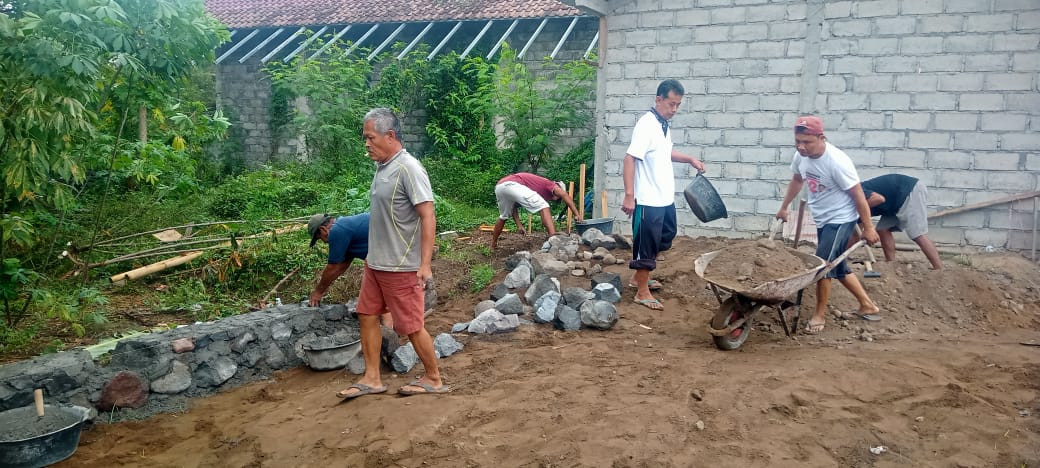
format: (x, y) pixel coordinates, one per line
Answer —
(531, 290)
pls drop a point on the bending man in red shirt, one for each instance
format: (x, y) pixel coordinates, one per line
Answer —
(532, 192)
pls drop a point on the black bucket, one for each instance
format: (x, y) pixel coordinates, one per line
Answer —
(605, 225)
(704, 200)
(43, 449)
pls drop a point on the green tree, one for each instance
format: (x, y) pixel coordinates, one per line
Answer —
(534, 109)
(336, 93)
(55, 56)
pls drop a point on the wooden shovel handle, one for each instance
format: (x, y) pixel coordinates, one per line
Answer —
(870, 251)
(798, 227)
(38, 398)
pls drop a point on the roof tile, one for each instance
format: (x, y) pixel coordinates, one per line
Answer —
(263, 13)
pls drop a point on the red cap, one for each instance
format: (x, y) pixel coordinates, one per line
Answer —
(812, 124)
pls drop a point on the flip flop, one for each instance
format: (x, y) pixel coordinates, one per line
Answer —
(654, 285)
(650, 303)
(426, 388)
(364, 390)
(814, 328)
(868, 317)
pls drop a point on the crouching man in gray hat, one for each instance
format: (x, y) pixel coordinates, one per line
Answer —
(347, 237)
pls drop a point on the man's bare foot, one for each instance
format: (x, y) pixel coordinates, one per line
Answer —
(815, 327)
(870, 314)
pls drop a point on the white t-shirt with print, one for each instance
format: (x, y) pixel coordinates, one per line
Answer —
(829, 178)
(652, 149)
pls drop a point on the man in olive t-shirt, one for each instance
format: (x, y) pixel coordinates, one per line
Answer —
(401, 237)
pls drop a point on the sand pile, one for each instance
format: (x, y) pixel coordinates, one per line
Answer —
(753, 262)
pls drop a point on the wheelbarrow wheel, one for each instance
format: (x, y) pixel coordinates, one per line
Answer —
(729, 313)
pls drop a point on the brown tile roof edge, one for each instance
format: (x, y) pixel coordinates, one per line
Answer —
(264, 13)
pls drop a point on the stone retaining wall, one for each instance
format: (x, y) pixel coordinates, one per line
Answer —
(160, 370)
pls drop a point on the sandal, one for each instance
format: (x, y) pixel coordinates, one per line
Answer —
(363, 390)
(652, 303)
(426, 388)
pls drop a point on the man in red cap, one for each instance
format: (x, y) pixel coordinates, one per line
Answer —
(837, 204)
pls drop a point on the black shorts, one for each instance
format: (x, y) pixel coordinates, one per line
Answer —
(653, 229)
(832, 240)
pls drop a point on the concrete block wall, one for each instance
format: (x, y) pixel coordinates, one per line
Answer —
(943, 90)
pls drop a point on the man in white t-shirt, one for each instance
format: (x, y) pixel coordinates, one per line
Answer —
(837, 204)
(650, 188)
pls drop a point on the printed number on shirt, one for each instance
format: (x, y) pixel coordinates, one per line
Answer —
(814, 183)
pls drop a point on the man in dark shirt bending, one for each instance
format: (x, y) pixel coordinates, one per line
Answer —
(901, 201)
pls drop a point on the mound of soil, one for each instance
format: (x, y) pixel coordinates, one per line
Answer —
(940, 381)
(753, 262)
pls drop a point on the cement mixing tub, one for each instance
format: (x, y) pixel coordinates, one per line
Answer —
(330, 352)
(59, 437)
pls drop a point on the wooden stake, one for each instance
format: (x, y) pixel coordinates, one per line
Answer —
(529, 217)
(38, 398)
(570, 216)
(798, 227)
(1034, 229)
(581, 192)
(603, 204)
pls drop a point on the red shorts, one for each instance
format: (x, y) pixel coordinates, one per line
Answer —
(396, 292)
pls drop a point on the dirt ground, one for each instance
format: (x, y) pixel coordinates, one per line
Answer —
(942, 380)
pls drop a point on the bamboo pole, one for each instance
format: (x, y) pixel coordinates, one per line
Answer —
(263, 302)
(158, 266)
(570, 216)
(189, 226)
(603, 204)
(186, 257)
(529, 218)
(581, 192)
(975, 206)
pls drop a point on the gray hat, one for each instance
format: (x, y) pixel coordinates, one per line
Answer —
(315, 224)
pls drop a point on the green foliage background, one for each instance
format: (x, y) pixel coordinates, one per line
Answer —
(74, 80)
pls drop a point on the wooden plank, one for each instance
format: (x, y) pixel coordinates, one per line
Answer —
(570, 216)
(581, 192)
(975, 206)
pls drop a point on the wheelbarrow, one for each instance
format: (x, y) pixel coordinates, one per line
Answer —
(738, 304)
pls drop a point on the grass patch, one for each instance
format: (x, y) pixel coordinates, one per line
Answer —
(480, 277)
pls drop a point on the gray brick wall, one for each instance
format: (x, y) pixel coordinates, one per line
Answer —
(943, 90)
